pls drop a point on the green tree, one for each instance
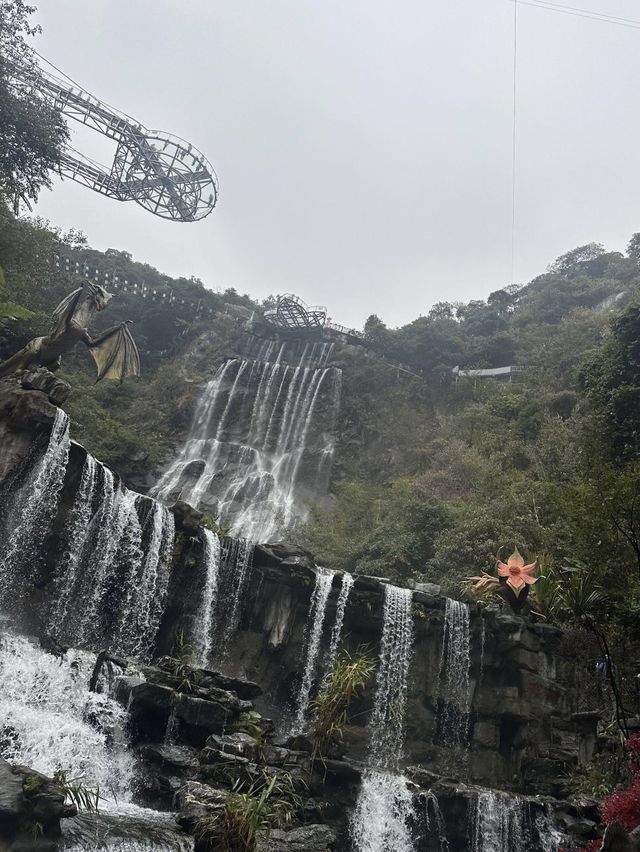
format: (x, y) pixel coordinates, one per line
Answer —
(611, 378)
(32, 132)
(581, 254)
(633, 247)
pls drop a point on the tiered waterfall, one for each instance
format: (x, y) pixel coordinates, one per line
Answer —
(381, 822)
(261, 443)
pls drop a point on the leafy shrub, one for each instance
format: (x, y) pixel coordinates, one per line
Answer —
(268, 802)
(76, 791)
(330, 708)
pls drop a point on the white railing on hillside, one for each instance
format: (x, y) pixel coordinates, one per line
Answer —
(137, 288)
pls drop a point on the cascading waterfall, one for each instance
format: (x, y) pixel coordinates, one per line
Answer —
(147, 584)
(50, 720)
(112, 580)
(45, 705)
(380, 822)
(499, 823)
(550, 837)
(33, 507)
(435, 821)
(315, 622)
(203, 637)
(235, 569)
(454, 678)
(336, 630)
(261, 441)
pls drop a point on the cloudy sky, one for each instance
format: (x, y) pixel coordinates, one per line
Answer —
(363, 147)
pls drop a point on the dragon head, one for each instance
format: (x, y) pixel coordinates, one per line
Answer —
(102, 298)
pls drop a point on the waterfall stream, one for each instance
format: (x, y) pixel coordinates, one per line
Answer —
(336, 630)
(112, 581)
(33, 506)
(235, 571)
(50, 720)
(435, 821)
(205, 620)
(454, 678)
(499, 823)
(380, 822)
(261, 440)
(315, 622)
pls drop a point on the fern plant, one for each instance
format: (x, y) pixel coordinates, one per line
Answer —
(269, 802)
(76, 791)
(181, 665)
(330, 708)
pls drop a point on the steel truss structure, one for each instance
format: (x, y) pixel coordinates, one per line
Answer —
(292, 314)
(160, 172)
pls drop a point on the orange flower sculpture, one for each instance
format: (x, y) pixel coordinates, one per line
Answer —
(512, 582)
(518, 574)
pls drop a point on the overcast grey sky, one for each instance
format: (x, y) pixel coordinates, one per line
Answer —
(363, 147)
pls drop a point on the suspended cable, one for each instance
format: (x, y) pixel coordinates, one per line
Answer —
(555, 5)
(513, 141)
(576, 12)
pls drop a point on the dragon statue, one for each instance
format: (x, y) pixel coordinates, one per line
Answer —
(114, 351)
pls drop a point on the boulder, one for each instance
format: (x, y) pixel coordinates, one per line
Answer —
(275, 552)
(172, 758)
(11, 799)
(187, 518)
(42, 380)
(617, 839)
(244, 689)
(308, 838)
(195, 800)
(240, 744)
(432, 589)
(30, 802)
(153, 707)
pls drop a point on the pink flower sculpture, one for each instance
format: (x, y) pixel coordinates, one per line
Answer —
(517, 573)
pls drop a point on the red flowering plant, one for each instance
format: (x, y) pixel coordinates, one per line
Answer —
(623, 806)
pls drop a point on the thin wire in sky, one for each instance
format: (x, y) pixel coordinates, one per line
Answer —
(514, 141)
(576, 12)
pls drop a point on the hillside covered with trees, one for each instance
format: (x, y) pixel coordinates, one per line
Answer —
(433, 473)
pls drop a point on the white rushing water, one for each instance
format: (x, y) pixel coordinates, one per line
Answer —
(315, 622)
(499, 823)
(550, 837)
(336, 630)
(235, 571)
(261, 442)
(112, 581)
(205, 620)
(454, 678)
(435, 822)
(384, 810)
(50, 720)
(33, 506)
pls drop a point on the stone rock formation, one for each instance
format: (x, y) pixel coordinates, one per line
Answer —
(508, 684)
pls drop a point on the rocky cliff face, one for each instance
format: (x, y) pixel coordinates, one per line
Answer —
(491, 698)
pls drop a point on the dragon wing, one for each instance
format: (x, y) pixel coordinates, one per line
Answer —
(65, 310)
(115, 354)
